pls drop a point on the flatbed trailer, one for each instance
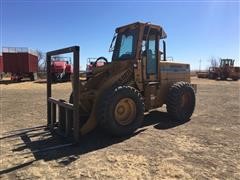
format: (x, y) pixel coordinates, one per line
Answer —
(202, 74)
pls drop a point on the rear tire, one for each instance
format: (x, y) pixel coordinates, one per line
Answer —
(235, 78)
(181, 101)
(223, 77)
(212, 76)
(121, 111)
(67, 77)
(33, 76)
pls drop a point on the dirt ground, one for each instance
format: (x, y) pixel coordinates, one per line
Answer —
(206, 147)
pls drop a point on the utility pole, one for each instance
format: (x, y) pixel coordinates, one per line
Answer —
(200, 61)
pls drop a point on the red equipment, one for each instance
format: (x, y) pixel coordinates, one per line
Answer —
(20, 62)
(61, 70)
(94, 62)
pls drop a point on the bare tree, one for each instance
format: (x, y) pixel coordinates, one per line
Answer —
(213, 62)
(41, 60)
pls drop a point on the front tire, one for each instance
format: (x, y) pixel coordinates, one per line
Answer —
(121, 111)
(181, 101)
(33, 76)
(235, 78)
(212, 76)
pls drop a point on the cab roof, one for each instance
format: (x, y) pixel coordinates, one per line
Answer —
(142, 24)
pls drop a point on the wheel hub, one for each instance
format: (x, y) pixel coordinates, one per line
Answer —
(125, 111)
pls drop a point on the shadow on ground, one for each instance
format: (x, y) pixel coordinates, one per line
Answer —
(41, 81)
(161, 120)
(50, 146)
(6, 82)
(44, 81)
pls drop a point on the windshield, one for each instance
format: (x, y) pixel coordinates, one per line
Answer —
(125, 45)
(61, 58)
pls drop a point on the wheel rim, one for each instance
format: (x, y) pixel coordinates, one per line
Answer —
(125, 111)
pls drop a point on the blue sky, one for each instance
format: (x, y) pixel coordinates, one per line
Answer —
(196, 30)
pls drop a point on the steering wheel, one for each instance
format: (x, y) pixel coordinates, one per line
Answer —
(98, 59)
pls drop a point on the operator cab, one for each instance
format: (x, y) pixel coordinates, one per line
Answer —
(133, 41)
(138, 42)
(227, 62)
(126, 41)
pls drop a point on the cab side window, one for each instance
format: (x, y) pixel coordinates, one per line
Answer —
(151, 55)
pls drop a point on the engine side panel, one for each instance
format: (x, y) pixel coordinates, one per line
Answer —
(170, 73)
(173, 72)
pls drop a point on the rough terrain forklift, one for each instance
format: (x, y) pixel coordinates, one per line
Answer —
(225, 70)
(116, 96)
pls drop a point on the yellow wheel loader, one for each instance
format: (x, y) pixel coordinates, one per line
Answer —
(117, 94)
